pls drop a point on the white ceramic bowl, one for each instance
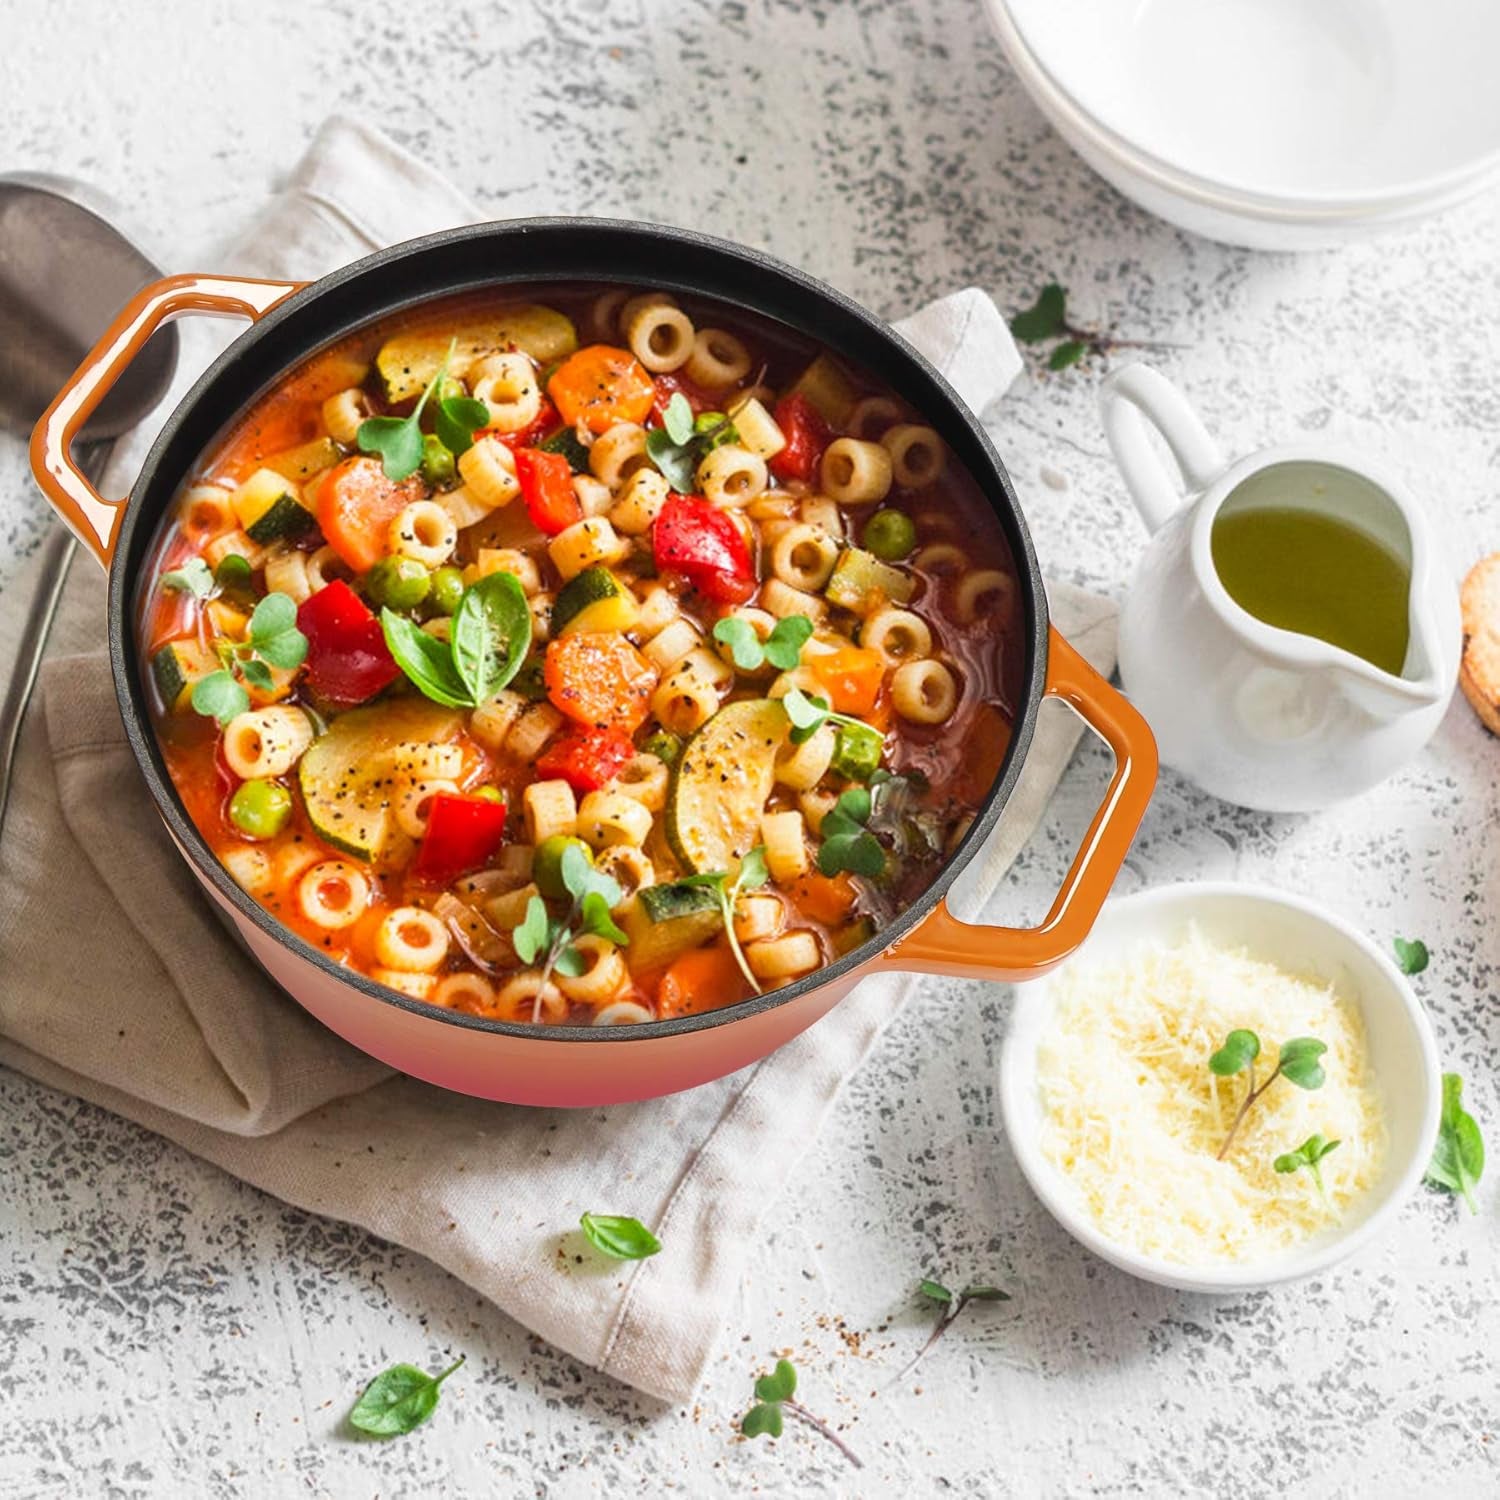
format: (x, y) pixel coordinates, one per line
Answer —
(1300, 936)
(1332, 124)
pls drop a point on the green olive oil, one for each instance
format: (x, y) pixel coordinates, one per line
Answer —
(1304, 571)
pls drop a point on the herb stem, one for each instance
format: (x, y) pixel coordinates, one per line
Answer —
(728, 901)
(823, 1429)
(1251, 1095)
(439, 1379)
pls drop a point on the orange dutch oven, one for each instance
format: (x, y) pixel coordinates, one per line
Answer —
(575, 1065)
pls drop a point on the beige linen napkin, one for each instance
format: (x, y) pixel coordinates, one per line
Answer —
(118, 984)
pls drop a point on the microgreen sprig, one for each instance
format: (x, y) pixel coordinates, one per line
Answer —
(398, 1399)
(808, 715)
(676, 446)
(773, 1396)
(274, 642)
(950, 1305)
(619, 1237)
(1298, 1063)
(594, 895)
(751, 875)
(1047, 318)
(1308, 1155)
(1458, 1157)
(847, 844)
(782, 647)
(398, 440)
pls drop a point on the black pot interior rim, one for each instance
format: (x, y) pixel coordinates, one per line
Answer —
(750, 280)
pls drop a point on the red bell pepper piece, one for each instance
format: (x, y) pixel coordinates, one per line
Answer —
(691, 537)
(463, 833)
(546, 422)
(547, 488)
(347, 658)
(806, 434)
(585, 758)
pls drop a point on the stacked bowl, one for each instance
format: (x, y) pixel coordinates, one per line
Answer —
(1276, 124)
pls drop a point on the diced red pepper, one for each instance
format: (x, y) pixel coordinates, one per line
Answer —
(806, 434)
(585, 758)
(547, 488)
(347, 658)
(547, 422)
(668, 386)
(463, 834)
(691, 537)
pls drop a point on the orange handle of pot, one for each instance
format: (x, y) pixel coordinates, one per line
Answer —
(94, 520)
(941, 944)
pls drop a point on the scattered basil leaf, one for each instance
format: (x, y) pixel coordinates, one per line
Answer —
(618, 1237)
(1045, 318)
(1240, 1049)
(1065, 354)
(675, 462)
(1458, 1156)
(427, 661)
(219, 696)
(398, 1400)
(534, 933)
(491, 635)
(456, 420)
(1299, 1062)
(194, 577)
(779, 1385)
(763, 1420)
(677, 419)
(1411, 957)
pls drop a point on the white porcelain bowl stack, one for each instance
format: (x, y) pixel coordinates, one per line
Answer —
(1277, 124)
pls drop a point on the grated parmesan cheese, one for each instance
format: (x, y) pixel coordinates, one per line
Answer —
(1132, 1116)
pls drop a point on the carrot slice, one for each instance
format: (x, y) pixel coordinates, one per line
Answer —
(851, 677)
(600, 386)
(704, 979)
(356, 505)
(596, 677)
(824, 898)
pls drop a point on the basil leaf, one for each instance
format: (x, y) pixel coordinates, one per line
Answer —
(425, 660)
(779, 1385)
(533, 934)
(398, 1399)
(1067, 354)
(491, 635)
(219, 696)
(1458, 1155)
(935, 1290)
(763, 1420)
(619, 1238)
(677, 419)
(194, 577)
(456, 421)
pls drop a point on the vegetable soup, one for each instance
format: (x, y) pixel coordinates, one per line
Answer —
(597, 658)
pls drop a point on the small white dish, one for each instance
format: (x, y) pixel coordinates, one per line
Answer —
(1302, 937)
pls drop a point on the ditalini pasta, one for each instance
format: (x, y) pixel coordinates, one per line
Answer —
(624, 589)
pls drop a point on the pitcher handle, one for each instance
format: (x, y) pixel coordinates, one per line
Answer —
(1138, 395)
(94, 520)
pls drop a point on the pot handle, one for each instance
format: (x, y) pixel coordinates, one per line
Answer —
(89, 516)
(941, 944)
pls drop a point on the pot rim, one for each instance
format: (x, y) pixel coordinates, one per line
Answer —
(761, 271)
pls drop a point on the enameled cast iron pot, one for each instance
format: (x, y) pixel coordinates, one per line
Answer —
(573, 1065)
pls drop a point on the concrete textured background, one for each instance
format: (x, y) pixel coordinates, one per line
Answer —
(169, 1331)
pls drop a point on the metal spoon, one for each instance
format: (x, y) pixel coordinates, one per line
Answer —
(65, 271)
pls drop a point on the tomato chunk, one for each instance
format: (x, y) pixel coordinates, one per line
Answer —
(693, 538)
(586, 758)
(547, 488)
(851, 676)
(806, 434)
(347, 658)
(463, 834)
(356, 505)
(546, 423)
(601, 386)
(597, 678)
(668, 386)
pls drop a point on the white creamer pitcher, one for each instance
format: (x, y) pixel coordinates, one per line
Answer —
(1260, 716)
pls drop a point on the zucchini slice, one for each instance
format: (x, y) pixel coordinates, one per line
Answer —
(861, 582)
(301, 463)
(348, 778)
(407, 362)
(565, 441)
(177, 668)
(722, 783)
(270, 509)
(594, 600)
(826, 385)
(664, 921)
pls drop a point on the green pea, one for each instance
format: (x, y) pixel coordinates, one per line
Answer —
(447, 590)
(449, 388)
(260, 809)
(488, 794)
(400, 582)
(437, 461)
(546, 863)
(890, 535)
(664, 745)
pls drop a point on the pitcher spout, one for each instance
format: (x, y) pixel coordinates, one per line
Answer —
(1425, 679)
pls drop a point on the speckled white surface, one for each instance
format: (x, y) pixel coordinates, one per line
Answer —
(167, 1331)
